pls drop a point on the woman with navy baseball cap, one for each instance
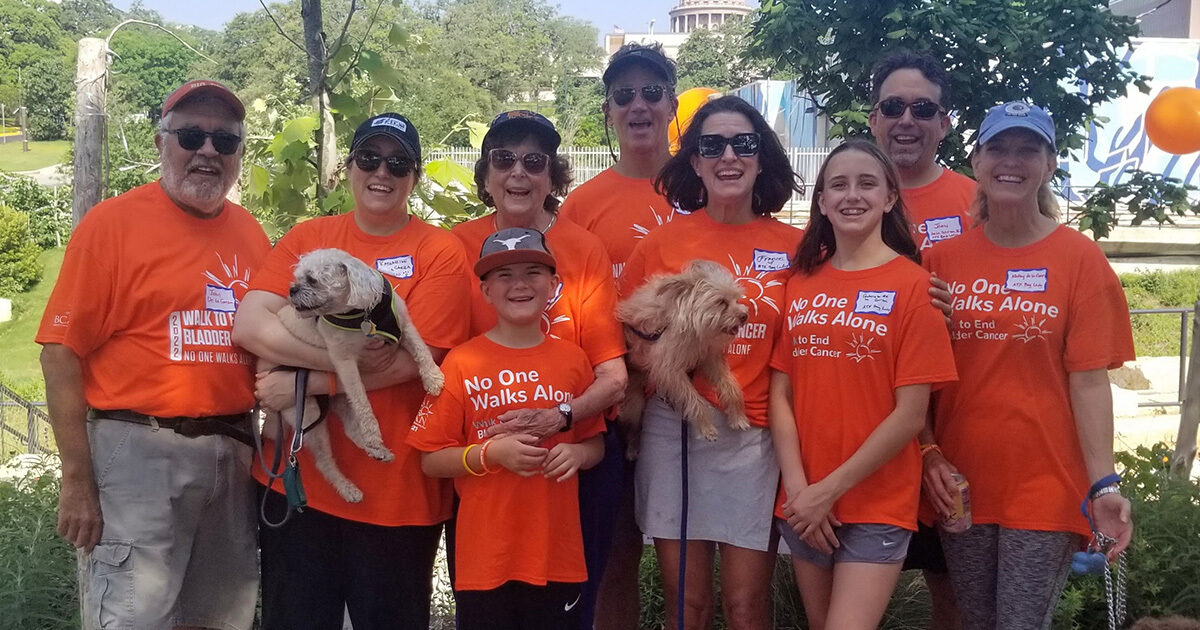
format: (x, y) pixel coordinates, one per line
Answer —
(1039, 317)
(368, 544)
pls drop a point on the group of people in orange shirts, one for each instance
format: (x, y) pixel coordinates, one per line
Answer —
(922, 328)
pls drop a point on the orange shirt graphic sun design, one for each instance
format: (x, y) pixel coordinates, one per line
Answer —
(941, 209)
(1024, 318)
(619, 210)
(581, 310)
(146, 298)
(510, 527)
(850, 338)
(758, 255)
(428, 270)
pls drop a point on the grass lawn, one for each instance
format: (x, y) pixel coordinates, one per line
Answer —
(20, 369)
(41, 154)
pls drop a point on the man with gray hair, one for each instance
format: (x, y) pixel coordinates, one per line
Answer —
(148, 397)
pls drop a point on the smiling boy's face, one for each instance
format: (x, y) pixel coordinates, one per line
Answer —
(520, 291)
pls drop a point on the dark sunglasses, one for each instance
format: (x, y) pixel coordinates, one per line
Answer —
(650, 94)
(922, 110)
(191, 139)
(368, 161)
(744, 144)
(503, 160)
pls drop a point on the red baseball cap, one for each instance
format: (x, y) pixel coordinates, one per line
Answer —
(205, 86)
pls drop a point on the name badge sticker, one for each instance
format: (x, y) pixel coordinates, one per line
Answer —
(1027, 280)
(875, 302)
(943, 228)
(766, 260)
(219, 299)
(399, 266)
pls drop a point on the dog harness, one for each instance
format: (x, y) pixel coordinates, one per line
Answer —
(380, 321)
(645, 336)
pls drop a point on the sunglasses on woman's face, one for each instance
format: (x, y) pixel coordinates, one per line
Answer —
(744, 144)
(191, 139)
(922, 109)
(650, 94)
(503, 160)
(368, 161)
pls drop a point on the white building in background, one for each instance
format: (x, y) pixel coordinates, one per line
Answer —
(686, 17)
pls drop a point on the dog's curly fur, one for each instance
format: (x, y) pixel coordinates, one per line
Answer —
(696, 314)
(331, 282)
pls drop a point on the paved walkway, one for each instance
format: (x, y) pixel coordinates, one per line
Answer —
(48, 176)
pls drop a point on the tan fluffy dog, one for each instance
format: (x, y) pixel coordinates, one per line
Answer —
(677, 326)
(335, 302)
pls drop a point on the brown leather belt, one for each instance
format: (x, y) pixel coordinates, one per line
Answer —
(236, 426)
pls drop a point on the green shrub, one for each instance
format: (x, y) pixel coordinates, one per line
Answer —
(1163, 561)
(1156, 335)
(37, 569)
(48, 209)
(19, 266)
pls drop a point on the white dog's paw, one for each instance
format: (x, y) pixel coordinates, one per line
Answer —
(349, 492)
(737, 420)
(433, 382)
(379, 451)
(709, 433)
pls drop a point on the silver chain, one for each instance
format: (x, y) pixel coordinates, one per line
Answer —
(1115, 597)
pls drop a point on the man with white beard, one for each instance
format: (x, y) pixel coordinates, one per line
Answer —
(148, 398)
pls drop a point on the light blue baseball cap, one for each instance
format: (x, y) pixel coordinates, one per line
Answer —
(1017, 115)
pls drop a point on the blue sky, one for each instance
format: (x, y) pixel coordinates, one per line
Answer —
(632, 15)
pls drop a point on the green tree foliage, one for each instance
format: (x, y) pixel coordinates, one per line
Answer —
(994, 50)
(717, 58)
(49, 90)
(19, 267)
(1145, 195)
(148, 65)
(32, 44)
(512, 48)
(48, 209)
(88, 18)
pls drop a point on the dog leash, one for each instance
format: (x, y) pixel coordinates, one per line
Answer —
(293, 485)
(1095, 561)
(683, 519)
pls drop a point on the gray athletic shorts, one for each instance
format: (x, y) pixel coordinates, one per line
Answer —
(860, 542)
(179, 546)
(732, 481)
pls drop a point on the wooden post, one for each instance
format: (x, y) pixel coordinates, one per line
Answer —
(314, 46)
(24, 129)
(89, 126)
(1189, 414)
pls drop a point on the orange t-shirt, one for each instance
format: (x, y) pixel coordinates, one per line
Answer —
(941, 209)
(1024, 318)
(146, 298)
(758, 253)
(849, 339)
(510, 527)
(581, 310)
(620, 210)
(428, 270)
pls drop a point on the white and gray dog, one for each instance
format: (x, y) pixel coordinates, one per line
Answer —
(338, 302)
(678, 326)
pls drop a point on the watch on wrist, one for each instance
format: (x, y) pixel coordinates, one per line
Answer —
(565, 410)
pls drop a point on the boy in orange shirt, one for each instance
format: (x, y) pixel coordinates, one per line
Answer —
(519, 551)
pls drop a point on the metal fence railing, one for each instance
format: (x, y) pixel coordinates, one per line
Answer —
(1185, 317)
(24, 427)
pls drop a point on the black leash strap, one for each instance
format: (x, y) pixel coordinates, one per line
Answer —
(293, 485)
(683, 518)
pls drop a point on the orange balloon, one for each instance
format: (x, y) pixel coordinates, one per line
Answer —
(689, 101)
(1173, 120)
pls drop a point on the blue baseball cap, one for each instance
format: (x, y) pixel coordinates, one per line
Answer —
(536, 123)
(1017, 115)
(394, 126)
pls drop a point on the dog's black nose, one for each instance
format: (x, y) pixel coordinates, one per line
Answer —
(293, 290)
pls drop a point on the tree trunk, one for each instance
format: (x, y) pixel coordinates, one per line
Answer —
(314, 46)
(1189, 414)
(89, 127)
